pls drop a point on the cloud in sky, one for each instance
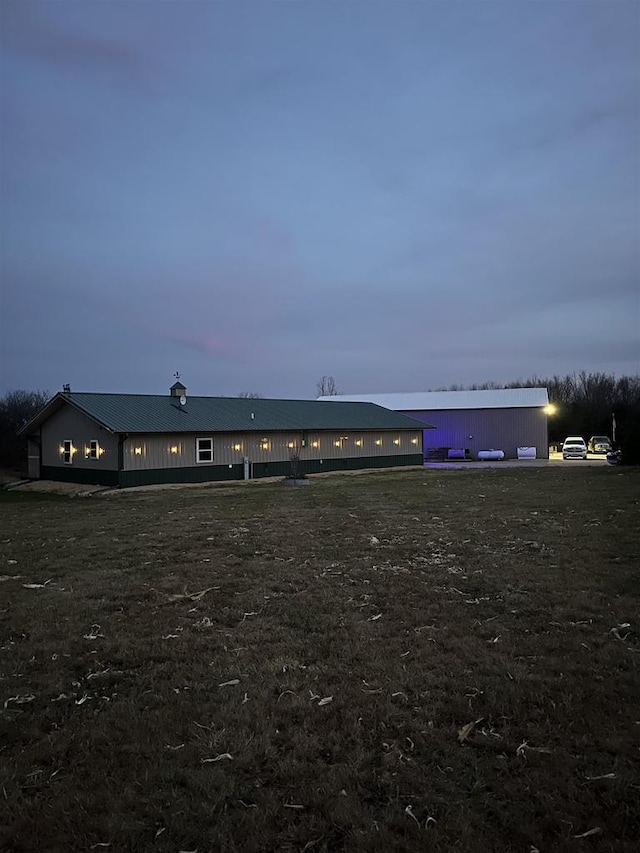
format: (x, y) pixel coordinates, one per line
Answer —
(35, 35)
(404, 196)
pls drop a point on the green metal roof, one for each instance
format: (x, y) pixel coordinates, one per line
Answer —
(146, 413)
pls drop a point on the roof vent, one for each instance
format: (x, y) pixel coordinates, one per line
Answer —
(178, 390)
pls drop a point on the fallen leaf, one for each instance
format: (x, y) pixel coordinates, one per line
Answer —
(189, 596)
(325, 701)
(231, 683)
(595, 831)
(467, 730)
(614, 631)
(409, 811)
(221, 757)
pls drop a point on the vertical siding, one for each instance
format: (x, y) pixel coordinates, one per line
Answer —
(155, 450)
(33, 459)
(68, 423)
(487, 429)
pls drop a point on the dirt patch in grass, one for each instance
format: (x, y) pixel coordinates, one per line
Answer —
(409, 661)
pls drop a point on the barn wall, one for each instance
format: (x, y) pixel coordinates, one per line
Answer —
(486, 429)
(150, 458)
(155, 452)
(68, 423)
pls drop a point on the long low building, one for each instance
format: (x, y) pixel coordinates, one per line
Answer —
(136, 439)
(511, 420)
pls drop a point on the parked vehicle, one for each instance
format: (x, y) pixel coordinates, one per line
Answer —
(599, 444)
(574, 447)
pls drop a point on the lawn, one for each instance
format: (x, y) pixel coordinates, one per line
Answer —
(409, 661)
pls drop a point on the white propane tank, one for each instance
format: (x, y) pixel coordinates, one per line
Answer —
(490, 455)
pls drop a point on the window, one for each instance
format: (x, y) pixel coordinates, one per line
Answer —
(94, 449)
(204, 449)
(67, 451)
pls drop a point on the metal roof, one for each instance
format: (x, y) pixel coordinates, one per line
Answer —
(423, 401)
(145, 413)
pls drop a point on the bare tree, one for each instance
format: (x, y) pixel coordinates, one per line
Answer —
(16, 409)
(326, 387)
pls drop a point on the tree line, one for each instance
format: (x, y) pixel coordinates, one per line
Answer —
(17, 408)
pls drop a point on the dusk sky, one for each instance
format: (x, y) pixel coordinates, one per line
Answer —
(403, 195)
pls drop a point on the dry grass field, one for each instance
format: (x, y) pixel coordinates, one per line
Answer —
(410, 661)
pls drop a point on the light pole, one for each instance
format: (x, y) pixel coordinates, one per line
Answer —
(549, 410)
